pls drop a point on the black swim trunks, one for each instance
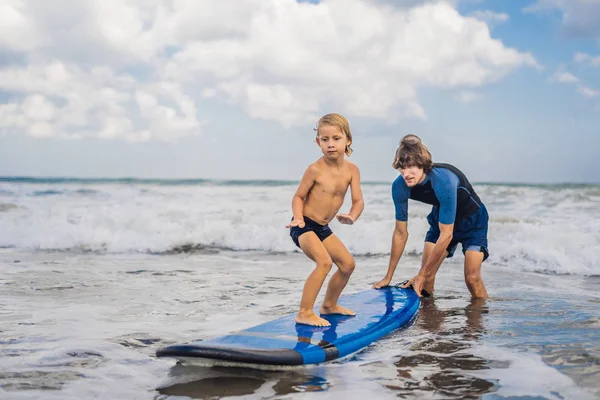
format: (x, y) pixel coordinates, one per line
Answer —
(322, 231)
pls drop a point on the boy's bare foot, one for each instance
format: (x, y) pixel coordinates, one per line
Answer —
(337, 309)
(310, 318)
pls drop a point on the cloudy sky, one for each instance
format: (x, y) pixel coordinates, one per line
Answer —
(508, 91)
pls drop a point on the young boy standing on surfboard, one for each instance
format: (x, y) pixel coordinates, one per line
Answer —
(457, 216)
(316, 202)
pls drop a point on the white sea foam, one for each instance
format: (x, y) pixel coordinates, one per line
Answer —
(547, 229)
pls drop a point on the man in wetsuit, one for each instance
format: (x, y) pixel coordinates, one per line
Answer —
(457, 216)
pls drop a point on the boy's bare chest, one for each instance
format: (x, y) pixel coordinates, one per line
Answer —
(333, 184)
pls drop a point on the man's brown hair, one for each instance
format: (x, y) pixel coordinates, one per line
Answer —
(412, 152)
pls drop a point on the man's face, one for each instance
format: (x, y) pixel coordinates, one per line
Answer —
(412, 175)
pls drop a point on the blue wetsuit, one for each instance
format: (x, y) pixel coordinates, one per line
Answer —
(454, 201)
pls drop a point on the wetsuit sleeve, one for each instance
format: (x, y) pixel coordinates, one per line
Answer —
(445, 185)
(400, 195)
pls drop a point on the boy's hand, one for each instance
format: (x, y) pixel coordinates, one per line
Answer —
(345, 219)
(296, 222)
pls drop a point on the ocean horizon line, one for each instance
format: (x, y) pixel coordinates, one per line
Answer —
(247, 182)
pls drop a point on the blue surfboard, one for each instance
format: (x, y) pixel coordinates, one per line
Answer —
(283, 342)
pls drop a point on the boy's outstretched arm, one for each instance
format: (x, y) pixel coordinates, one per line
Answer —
(358, 203)
(307, 182)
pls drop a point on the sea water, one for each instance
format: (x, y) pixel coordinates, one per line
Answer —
(98, 274)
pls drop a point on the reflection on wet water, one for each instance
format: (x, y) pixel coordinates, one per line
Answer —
(218, 382)
(301, 383)
(214, 387)
(438, 364)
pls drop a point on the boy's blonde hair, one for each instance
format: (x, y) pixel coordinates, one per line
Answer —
(339, 121)
(412, 152)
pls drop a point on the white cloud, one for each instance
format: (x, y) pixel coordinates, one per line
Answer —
(138, 69)
(209, 92)
(564, 77)
(490, 17)
(587, 91)
(75, 103)
(580, 17)
(586, 59)
(17, 32)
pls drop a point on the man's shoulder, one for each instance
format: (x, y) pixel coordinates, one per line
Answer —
(399, 188)
(441, 176)
(399, 182)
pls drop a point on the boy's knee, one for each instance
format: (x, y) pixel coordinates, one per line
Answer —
(348, 268)
(325, 265)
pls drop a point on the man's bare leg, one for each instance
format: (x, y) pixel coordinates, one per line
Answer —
(427, 249)
(345, 263)
(473, 261)
(314, 249)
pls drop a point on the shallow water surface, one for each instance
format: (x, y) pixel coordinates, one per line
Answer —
(87, 325)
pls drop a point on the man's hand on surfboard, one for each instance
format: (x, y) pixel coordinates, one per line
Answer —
(417, 283)
(382, 283)
(296, 222)
(345, 219)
